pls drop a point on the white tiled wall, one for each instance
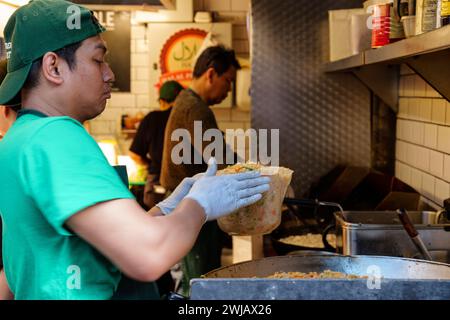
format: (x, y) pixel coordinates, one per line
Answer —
(108, 124)
(423, 138)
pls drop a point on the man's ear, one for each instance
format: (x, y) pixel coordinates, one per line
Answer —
(210, 74)
(5, 111)
(52, 65)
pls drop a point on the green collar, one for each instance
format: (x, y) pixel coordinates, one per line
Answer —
(23, 112)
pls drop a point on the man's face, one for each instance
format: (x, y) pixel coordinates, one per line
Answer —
(220, 86)
(91, 79)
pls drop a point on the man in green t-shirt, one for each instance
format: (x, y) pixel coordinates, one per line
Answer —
(70, 226)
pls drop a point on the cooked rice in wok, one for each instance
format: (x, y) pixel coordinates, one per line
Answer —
(327, 274)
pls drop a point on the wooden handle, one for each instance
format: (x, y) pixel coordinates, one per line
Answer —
(409, 227)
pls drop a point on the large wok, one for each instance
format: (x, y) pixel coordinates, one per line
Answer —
(388, 278)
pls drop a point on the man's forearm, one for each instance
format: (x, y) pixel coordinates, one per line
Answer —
(155, 211)
(5, 293)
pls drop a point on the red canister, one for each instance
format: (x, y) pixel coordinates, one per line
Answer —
(381, 24)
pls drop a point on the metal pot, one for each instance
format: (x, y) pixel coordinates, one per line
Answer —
(387, 278)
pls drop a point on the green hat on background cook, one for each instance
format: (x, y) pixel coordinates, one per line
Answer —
(170, 90)
(39, 27)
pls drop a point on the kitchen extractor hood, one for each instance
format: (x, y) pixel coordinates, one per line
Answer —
(144, 5)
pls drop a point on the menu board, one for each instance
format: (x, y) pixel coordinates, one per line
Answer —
(118, 42)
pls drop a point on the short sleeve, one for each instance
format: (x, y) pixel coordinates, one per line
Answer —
(141, 141)
(64, 171)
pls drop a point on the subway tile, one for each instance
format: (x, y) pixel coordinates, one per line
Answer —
(110, 114)
(416, 179)
(414, 109)
(400, 130)
(439, 107)
(142, 101)
(446, 175)
(403, 108)
(240, 5)
(403, 172)
(122, 100)
(400, 150)
(417, 132)
(138, 32)
(436, 163)
(423, 158)
(402, 86)
(425, 106)
(100, 127)
(217, 5)
(238, 115)
(444, 139)
(141, 46)
(411, 155)
(142, 74)
(442, 191)
(428, 184)
(408, 130)
(430, 135)
(138, 87)
(139, 60)
(419, 87)
(408, 86)
(222, 114)
(447, 114)
(430, 92)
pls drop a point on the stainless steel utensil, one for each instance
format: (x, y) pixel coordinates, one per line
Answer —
(413, 234)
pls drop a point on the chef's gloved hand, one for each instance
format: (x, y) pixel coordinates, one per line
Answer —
(171, 202)
(221, 195)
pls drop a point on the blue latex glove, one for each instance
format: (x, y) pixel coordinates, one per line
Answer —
(171, 202)
(221, 195)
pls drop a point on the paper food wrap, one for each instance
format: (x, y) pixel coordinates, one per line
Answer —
(263, 216)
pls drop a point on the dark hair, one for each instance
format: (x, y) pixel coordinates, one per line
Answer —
(67, 53)
(218, 58)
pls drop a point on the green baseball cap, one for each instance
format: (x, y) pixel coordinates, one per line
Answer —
(170, 90)
(39, 27)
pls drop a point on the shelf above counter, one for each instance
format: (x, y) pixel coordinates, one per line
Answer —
(427, 54)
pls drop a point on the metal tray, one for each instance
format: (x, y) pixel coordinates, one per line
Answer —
(388, 278)
(381, 233)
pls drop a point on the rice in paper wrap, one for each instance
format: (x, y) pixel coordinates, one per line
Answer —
(263, 216)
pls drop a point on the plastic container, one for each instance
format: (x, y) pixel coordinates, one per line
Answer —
(263, 216)
(340, 32)
(409, 25)
(428, 15)
(361, 35)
